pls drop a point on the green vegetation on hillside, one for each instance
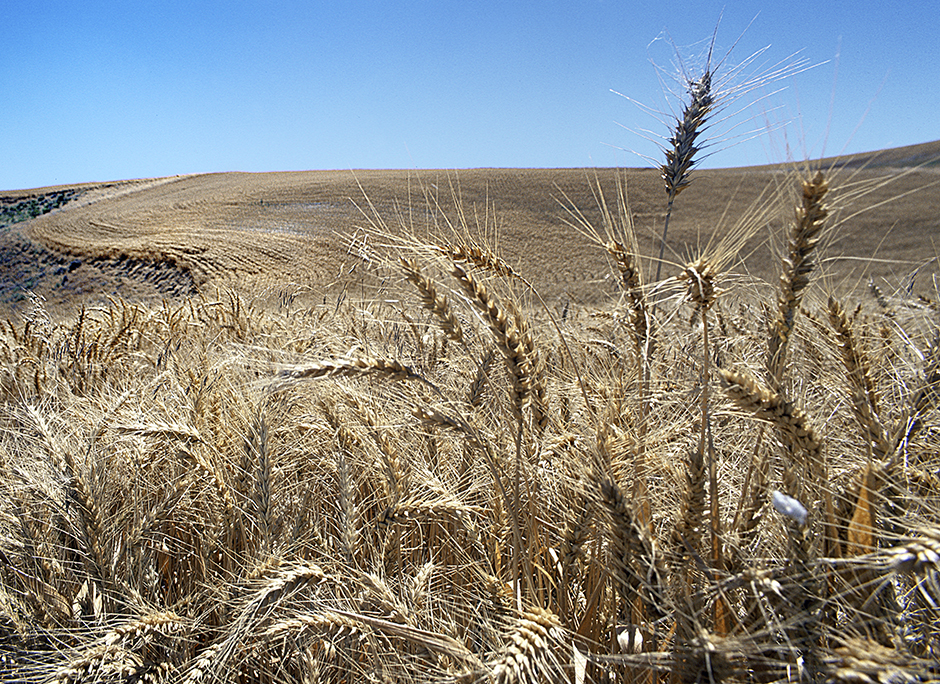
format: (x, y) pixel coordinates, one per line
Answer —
(16, 209)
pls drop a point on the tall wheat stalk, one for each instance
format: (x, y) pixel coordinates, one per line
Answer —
(682, 150)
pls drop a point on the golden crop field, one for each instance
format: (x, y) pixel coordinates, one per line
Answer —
(450, 427)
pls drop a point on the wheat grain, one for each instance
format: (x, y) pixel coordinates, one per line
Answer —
(638, 319)
(859, 373)
(797, 265)
(748, 393)
(530, 651)
(637, 561)
(393, 370)
(434, 302)
(918, 555)
(508, 340)
(680, 155)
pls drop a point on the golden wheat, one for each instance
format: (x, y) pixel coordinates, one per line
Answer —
(224, 489)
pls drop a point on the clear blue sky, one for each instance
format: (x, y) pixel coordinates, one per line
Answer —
(95, 91)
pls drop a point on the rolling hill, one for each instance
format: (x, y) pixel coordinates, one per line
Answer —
(170, 237)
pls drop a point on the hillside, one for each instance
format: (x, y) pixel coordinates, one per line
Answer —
(173, 236)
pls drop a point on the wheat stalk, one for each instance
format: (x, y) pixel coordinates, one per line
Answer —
(751, 396)
(508, 339)
(389, 368)
(797, 265)
(530, 650)
(859, 374)
(682, 149)
(436, 303)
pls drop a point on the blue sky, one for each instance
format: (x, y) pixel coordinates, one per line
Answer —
(96, 91)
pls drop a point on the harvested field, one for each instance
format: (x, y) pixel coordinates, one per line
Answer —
(169, 236)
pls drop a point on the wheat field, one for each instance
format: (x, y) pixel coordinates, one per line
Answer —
(437, 474)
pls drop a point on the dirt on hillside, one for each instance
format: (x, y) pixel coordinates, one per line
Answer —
(172, 237)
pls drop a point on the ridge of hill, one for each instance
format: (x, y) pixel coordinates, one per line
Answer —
(924, 155)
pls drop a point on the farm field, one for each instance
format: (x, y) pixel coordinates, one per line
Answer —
(173, 236)
(447, 427)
